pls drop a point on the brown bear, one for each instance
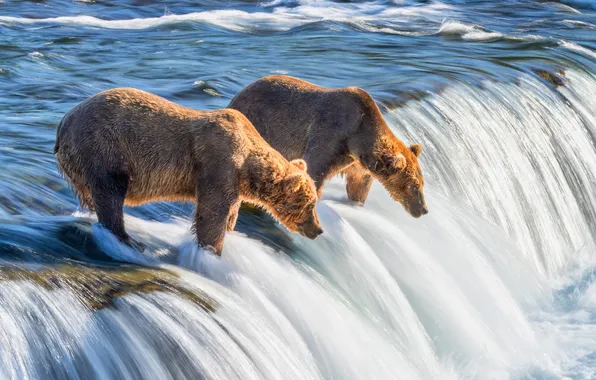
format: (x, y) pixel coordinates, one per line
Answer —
(127, 147)
(335, 131)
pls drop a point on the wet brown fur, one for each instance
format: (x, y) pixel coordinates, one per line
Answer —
(336, 131)
(128, 147)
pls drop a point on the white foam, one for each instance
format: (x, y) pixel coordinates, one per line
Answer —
(467, 32)
(579, 23)
(472, 32)
(230, 19)
(116, 249)
(576, 47)
(281, 19)
(481, 36)
(563, 7)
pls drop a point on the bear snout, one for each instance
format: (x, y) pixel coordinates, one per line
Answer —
(418, 211)
(318, 231)
(311, 231)
(314, 233)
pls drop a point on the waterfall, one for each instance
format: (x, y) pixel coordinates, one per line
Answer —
(486, 286)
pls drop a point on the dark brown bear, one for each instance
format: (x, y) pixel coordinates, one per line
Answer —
(335, 131)
(126, 146)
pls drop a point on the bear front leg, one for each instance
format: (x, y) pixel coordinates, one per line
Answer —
(358, 182)
(217, 198)
(210, 227)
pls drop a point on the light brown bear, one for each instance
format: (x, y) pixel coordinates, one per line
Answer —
(335, 131)
(128, 147)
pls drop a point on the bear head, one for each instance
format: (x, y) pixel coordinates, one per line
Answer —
(298, 209)
(396, 166)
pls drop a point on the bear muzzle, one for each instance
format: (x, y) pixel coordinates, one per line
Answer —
(417, 211)
(311, 231)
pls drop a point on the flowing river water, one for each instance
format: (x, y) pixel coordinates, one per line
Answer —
(498, 281)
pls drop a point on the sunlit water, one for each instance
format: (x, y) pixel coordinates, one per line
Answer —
(498, 281)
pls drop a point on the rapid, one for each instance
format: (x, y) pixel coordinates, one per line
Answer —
(498, 281)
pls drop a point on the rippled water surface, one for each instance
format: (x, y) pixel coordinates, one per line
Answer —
(496, 282)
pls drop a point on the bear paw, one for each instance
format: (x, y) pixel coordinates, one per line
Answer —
(140, 247)
(209, 248)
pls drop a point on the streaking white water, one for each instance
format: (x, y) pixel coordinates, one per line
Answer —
(576, 47)
(519, 155)
(494, 283)
(157, 336)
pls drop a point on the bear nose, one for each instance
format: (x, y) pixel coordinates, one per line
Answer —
(424, 210)
(313, 233)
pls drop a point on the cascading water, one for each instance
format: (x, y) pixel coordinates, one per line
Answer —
(380, 294)
(520, 154)
(496, 282)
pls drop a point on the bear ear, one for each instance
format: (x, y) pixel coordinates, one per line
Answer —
(389, 164)
(416, 149)
(395, 163)
(292, 183)
(299, 163)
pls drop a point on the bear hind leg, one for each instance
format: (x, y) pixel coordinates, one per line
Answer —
(108, 194)
(85, 198)
(233, 217)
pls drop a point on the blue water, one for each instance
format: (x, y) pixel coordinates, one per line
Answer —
(497, 282)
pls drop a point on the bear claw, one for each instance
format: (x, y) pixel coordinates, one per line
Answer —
(209, 248)
(136, 245)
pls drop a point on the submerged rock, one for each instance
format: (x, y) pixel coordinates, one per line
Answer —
(98, 287)
(556, 78)
(50, 240)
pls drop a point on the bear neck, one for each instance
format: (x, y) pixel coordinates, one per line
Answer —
(387, 144)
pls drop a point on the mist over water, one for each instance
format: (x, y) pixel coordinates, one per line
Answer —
(496, 282)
